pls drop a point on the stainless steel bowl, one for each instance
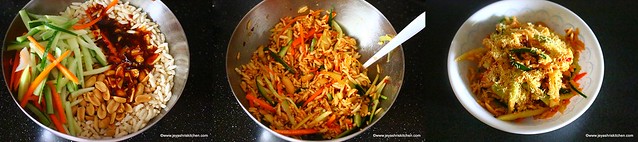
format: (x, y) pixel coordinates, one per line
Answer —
(157, 11)
(358, 18)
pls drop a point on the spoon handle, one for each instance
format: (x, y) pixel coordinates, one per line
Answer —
(413, 28)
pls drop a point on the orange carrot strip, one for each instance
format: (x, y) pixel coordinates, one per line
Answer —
(60, 67)
(16, 82)
(280, 88)
(57, 102)
(41, 78)
(108, 43)
(57, 124)
(298, 41)
(296, 132)
(113, 3)
(37, 105)
(16, 61)
(331, 120)
(102, 14)
(261, 103)
(313, 96)
(315, 13)
(83, 26)
(579, 76)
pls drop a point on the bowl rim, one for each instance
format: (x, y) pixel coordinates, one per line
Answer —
(76, 138)
(287, 138)
(467, 99)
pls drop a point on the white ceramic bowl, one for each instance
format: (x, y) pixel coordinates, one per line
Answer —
(558, 18)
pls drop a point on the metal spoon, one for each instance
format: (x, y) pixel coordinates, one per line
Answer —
(413, 28)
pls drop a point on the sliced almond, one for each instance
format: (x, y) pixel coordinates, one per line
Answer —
(80, 113)
(111, 82)
(140, 89)
(109, 72)
(119, 116)
(142, 98)
(93, 100)
(110, 132)
(87, 118)
(142, 76)
(101, 86)
(83, 102)
(120, 82)
(112, 118)
(135, 73)
(120, 93)
(106, 95)
(307, 77)
(90, 82)
(90, 110)
(112, 106)
(131, 92)
(98, 94)
(101, 77)
(95, 123)
(104, 123)
(119, 99)
(129, 108)
(101, 113)
(147, 90)
(119, 70)
(74, 109)
(139, 58)
(290, 88)
(120, 109)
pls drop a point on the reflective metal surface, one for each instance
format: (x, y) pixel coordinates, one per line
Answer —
(156, 10)
(359, 20)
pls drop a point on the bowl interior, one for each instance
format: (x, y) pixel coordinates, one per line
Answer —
(558, 18)
(156, 10)
(359, 20)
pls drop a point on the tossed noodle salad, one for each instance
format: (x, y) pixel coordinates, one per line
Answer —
(525, 70)
(308, 80)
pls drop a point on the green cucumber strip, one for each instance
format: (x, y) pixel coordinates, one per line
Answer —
(25, 18)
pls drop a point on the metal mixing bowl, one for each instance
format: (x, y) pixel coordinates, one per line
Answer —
(156, 10)
(358, 18)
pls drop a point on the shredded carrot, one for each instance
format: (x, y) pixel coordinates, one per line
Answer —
(313, 96)
(315, 13)
(68, 74)
(260, 102)
(296, 132)
(579, 76)
(83, 26)
(102, 14)
(251, 104)
(41, 78)
(331, 120)
(37, 105)
(108, 43)
(310, 34)
(16, 61)
(279, 88)
(298, 41)
(267, 69)
(57, 102)
(57, 124)
(16, 82)
(113, 3)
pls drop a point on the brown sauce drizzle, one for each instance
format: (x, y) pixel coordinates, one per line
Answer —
(133, 52)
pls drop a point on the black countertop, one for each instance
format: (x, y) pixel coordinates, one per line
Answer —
(426, 105)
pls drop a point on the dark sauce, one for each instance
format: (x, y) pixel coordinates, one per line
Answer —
(129, 51)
